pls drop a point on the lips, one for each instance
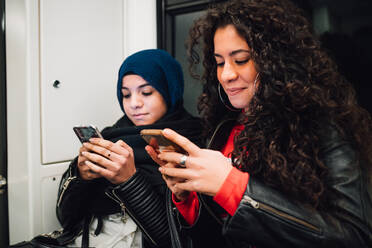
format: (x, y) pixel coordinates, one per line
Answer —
(138, 116)
(234, 91)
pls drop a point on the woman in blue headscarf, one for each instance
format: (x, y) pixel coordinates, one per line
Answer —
(112, 194)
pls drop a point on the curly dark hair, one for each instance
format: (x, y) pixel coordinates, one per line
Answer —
(300, 93)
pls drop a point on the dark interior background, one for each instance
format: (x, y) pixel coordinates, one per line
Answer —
(343, 26)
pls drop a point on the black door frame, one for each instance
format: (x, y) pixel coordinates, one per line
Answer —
(4, 219)
(166, 10)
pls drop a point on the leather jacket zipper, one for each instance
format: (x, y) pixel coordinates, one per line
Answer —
(64, 188)
(123, 209)
(56, 234)
(271, 210)
(258, 205)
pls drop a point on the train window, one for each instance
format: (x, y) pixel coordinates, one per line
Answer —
(344, 28)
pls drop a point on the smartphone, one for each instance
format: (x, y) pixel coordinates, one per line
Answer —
(155, 138)
(84, 133)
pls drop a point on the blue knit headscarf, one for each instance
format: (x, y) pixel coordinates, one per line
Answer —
(160, 70)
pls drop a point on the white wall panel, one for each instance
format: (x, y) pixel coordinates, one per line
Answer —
(18, 122)
(140, 25)
(49, 189)
(81, 46)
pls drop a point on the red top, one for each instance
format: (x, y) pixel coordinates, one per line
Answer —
(230, 193)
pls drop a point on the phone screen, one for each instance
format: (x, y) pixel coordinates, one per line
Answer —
(155, 138)
(84, 133)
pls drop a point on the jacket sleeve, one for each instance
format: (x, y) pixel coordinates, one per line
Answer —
(267, 217)
(145, 205)
(73, 199)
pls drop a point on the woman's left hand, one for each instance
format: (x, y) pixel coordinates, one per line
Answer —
(114, 161)
(205, 170)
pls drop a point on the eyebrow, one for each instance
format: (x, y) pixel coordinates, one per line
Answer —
(233, 52)
(141, 86)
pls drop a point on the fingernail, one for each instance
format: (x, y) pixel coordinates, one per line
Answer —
(166, 131)
(84, 153)
(160, 169)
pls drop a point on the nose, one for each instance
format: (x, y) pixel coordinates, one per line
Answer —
(228, 73)
(136, 101)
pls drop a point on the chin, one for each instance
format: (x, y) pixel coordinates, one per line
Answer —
(239, 104)
(141, 123)
(137, 122)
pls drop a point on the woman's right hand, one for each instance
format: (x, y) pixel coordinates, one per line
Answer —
(205, 170)
(85, 172)
(171, 182)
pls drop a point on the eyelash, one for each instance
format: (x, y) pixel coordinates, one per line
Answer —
(147, 93)
(220, 64)
(143, 93)
(241, 62)
(238, 62)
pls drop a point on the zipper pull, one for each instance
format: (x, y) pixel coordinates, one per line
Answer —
(252, 202)
(124, 216)
(65, 185)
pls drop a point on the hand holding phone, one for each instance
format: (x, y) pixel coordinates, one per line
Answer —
(155, 138)
(84, 133)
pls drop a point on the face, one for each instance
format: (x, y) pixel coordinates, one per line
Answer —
(142, 103)
(235, 69)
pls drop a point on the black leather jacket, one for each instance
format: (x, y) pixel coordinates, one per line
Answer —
(135, 197)
(266, 217)
(142, 196)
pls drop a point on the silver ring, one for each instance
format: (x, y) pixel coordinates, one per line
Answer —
(183, 160)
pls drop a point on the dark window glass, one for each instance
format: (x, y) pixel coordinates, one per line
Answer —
(343, 26)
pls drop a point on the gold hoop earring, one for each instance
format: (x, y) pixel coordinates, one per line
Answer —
(254, 83)
(223, 101)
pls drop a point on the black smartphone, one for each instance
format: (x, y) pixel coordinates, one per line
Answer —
(84, 133)
(155, 138)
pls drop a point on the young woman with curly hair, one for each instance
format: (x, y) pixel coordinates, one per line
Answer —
(298, 142)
